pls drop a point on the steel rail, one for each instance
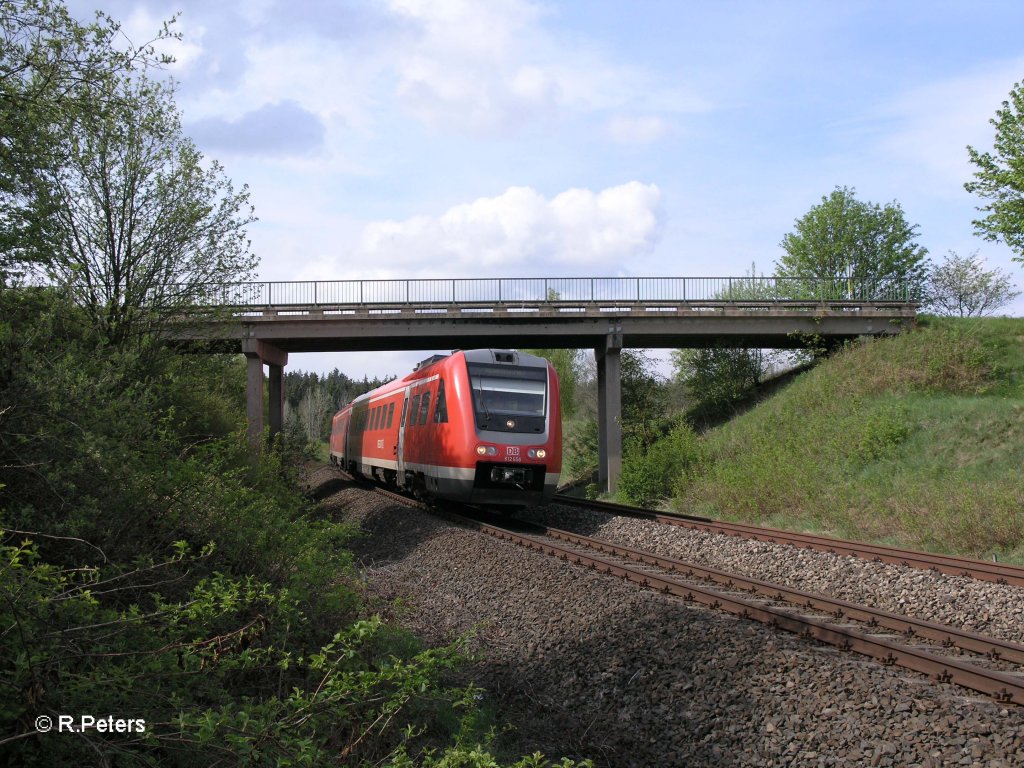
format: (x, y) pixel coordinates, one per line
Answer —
(983, 570)
(1002, 686)
(910, 626)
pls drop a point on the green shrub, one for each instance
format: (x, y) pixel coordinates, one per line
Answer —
(664, 468)
(152, 567)
(882, 431)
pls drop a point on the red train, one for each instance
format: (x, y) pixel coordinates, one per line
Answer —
(480, 426)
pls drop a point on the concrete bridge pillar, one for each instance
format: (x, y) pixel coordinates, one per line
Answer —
(257, 354)
(609, 410)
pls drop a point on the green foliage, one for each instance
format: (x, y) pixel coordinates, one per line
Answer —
(133, 219)
(152, 568)
(915, 439)
(665, 468)
(872, 248)
(960, 286)
(51, 66)
(999, 177)
(718, 378)
(883, 430)
(580, 448)
(99, 189)
(311, 400)
(644, 398)
(218, 673)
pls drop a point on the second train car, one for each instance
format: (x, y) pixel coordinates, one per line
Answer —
(479, 426)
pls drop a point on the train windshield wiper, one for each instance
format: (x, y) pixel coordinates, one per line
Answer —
(480, 399)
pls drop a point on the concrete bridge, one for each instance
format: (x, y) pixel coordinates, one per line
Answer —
(266, 321)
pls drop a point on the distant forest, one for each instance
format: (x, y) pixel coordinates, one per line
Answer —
(312, 399)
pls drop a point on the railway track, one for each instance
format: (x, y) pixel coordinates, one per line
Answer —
(947, 654)
(944, 653)
(999, 573)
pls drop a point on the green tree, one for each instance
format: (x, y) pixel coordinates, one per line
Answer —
(1000, 176)
(50, 66)
(719, 377)
(131, 221)
(960, 286)
(644, 398)
(847, 248)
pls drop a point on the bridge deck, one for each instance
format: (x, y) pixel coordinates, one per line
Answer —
(374, 327)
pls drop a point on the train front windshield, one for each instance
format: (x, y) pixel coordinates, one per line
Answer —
(509, 398)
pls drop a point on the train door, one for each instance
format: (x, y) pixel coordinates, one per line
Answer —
(356, 427)
(401, 439)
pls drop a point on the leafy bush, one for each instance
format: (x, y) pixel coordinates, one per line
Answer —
(153, 568)
(882, 432)
(664, 468)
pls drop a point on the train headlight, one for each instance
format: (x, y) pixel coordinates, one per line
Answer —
(486, 450)
(541, 453)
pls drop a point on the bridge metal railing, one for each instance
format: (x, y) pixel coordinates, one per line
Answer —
(497, 291)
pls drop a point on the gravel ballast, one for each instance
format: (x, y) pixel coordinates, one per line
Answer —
(978, 606)
(585, 665)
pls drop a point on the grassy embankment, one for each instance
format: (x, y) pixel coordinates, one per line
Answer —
(916, 440)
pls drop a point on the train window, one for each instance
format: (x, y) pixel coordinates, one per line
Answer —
(424, 408)
(379, 421)
(441, 408)
(506, 389)
(405, 403)
(414, 410)
(391, 413)
(376, 418)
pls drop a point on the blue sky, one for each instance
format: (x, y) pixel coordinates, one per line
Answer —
(466, 138)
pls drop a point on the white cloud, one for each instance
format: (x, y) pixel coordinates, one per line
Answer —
(636, 130)
(463, 66)
(517, 233)
(491, 67)
(933, 124)
(469, 63)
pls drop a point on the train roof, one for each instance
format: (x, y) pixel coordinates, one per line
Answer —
(490, 356)
(499, 356)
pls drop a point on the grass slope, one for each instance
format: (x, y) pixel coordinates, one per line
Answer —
(916, 440)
